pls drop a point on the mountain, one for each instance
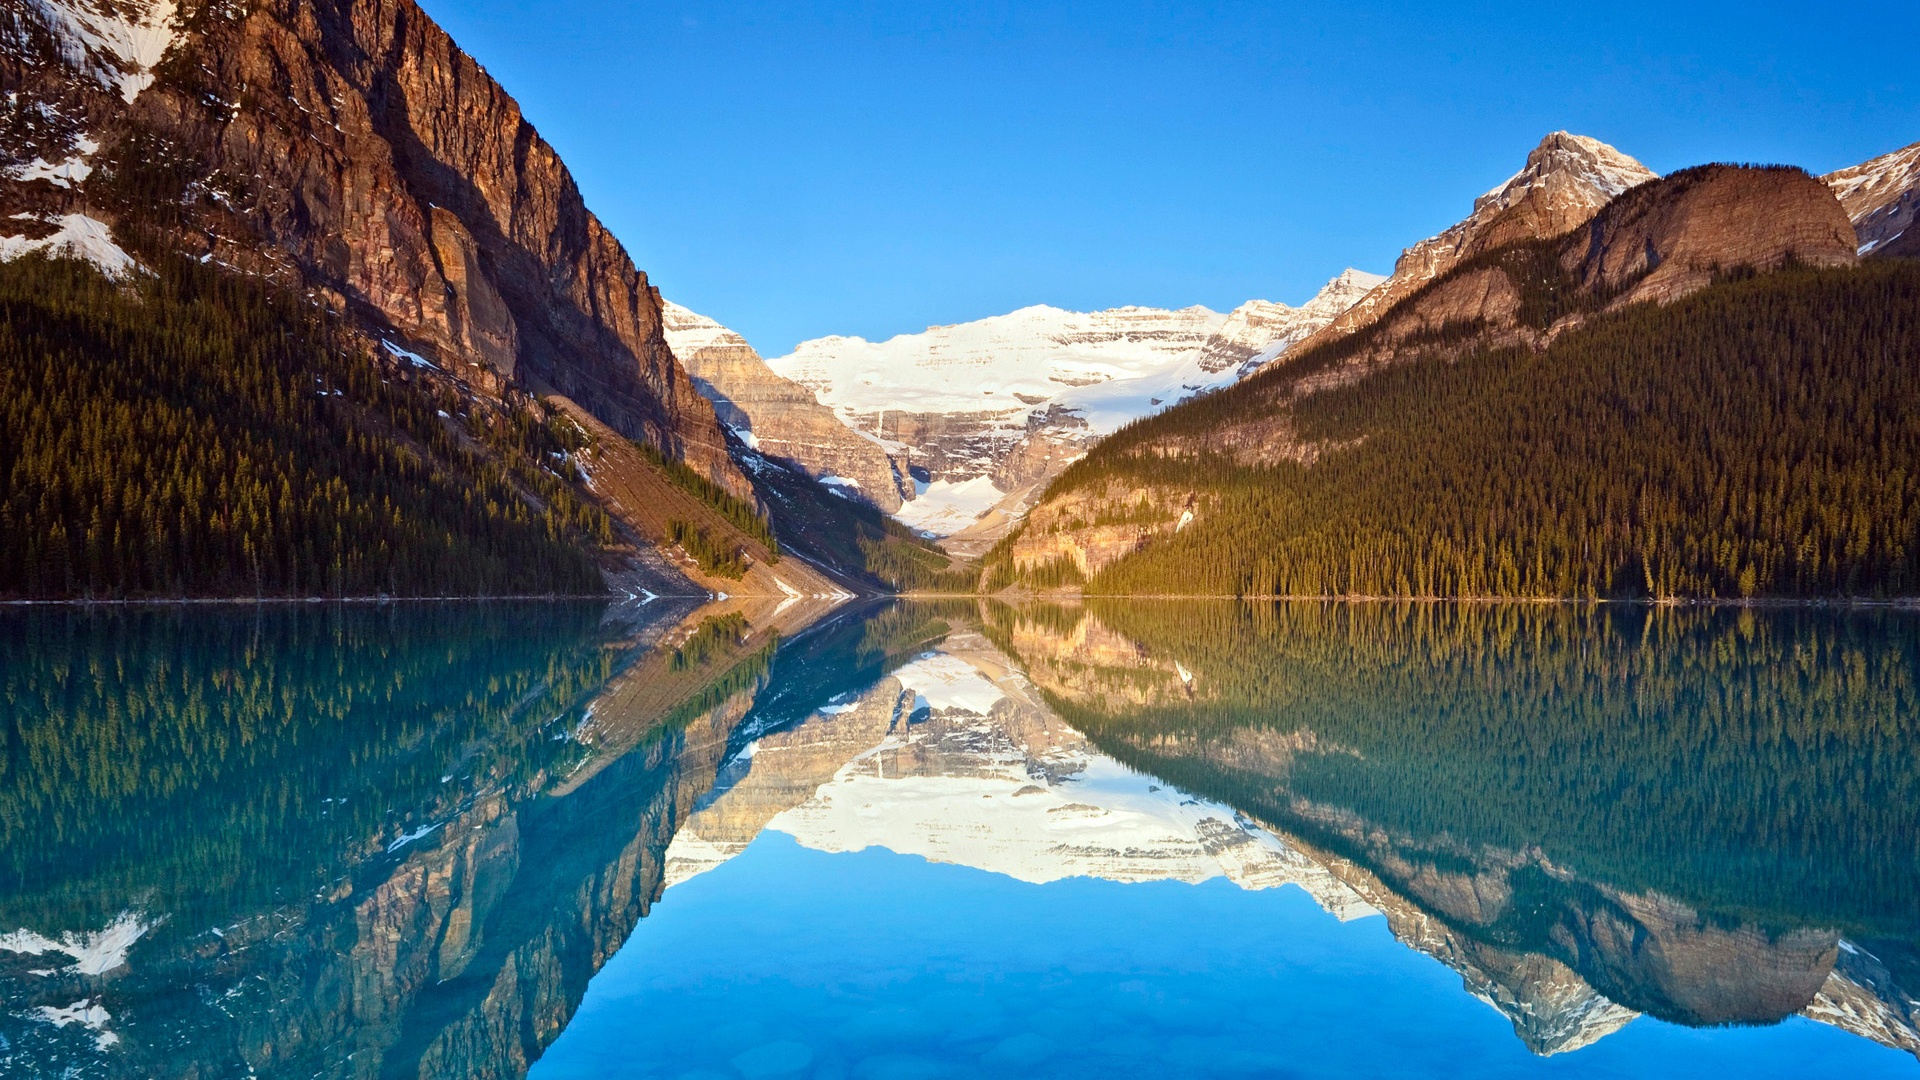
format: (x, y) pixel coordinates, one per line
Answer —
(1527, 423)
(1567, 178)
(987, 777)
(778, 417)
(352, 155)
(1260, 330)
(987, 412)
(1882, 197)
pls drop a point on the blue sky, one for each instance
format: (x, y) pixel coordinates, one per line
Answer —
(800, 169)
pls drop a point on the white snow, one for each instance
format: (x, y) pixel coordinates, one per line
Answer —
(948, 682)
(118, 51)
(66, 173)
(413, 358)
(839, 481)
(944, 507)
(1881, 196)
(989, 811)
(94, 952)
(688, 331)
(1075, 375)
(406, 838)
(1003, 364)
(992, 781)
(79, 237)
(85, 1012)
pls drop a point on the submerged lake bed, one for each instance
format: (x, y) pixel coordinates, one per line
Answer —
(961, 838)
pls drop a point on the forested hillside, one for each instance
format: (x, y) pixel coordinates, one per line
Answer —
(1757, 439)
(195, 432)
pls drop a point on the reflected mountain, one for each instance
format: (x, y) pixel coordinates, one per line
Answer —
(400, 841)
(353, 841)
(1427, 765)
(1705, 816)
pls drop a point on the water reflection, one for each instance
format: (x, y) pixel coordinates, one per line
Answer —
(401, 842)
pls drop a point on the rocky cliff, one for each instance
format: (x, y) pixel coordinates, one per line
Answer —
(350, 149)
(1882, 198)
(1565, 181)
(779, 417)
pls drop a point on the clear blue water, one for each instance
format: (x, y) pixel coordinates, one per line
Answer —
(878, 965)
(959, 839)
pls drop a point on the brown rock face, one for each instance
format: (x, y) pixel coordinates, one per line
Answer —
(1659, 241)
(353, 149)
(779, 416)
(1093, 528)
(1665, 240)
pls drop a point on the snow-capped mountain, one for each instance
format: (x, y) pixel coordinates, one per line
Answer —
(1882, 197)
(1260, 330)
(1567, 178)
(988, 411)
(1000, 367)
(954, 758)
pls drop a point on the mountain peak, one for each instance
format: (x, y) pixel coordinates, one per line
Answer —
(1565, 181)
(1571, 167)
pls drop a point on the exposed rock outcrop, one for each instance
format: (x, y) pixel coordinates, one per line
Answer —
(1017, 398)
(353, 150)
(1565, 181)
(1667, 239)
(777, 416)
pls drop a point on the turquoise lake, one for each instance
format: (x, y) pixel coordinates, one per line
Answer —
(957, 839)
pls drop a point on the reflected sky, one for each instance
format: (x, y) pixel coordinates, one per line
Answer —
(789, 961)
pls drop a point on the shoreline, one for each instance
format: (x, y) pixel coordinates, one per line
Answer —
(1899, 603)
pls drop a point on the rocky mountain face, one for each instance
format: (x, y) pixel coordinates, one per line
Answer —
(779, 417)
(986, 413)
(1882, 198)
(1565, 181)
(354, 151)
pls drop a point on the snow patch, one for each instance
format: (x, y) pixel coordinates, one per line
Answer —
(70, 172)
(79, 237)
(413, 358)
(944, 507)
(409, 837)
(84, 1012)
(117, 50)
(948, 682)
(94, 952)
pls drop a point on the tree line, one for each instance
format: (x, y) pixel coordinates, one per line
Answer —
(198, 432)
(1758, 439)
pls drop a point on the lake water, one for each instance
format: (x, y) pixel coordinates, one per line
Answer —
(959, 839)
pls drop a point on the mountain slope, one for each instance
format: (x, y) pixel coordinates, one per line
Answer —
(194, 432)
(777, 416)
(1522, 426)
(1882, 197)
(353, 154)
(1567, 178)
